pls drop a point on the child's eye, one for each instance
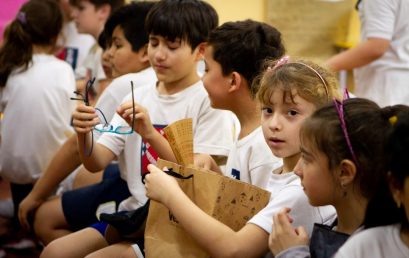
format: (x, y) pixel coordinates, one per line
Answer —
(153, 42)
(292, 113)
(267, 110)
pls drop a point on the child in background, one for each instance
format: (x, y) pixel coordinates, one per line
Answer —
(90, 17)
(391, 240)
(177, 33)
(336, 168)
(74, 46)
(35, 90)
(234, 56)
(381, 60)
(290, 91)
(77, 209)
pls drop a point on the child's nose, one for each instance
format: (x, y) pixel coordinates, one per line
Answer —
(298, 169)
(275, 122)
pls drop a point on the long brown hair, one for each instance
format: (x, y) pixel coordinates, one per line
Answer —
(38, 22)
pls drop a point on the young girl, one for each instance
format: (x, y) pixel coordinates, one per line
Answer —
(336, 168)
(391, 240)
(289, 92)
(35, 91)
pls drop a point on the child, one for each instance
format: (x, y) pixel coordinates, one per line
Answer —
(336, 168)
(381, 60)
(177, 32)
(90, 17)
(234, 57)
(35, 90)
(289, 93)
(391, 240)
(61, 215)
(74, 46)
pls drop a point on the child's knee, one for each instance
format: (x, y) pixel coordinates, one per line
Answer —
(48, 217)
(51, 250)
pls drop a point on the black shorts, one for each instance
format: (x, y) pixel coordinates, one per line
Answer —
(80, 205)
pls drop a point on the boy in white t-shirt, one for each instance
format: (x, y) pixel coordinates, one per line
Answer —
(229, 81)
(177, 33)
(129, 59)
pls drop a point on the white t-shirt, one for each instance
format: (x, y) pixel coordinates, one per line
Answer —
(385, 80)
(76, 48)
(37, 111)
(109, 101)
(286, 191)
(378, 242)
(251, 160)
(212, 133)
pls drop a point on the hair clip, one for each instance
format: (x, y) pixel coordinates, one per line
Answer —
(393, 120)
(21, 16)
(282, 61)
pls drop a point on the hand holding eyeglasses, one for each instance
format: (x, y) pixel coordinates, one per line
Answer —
(84, 118)
(141, 121)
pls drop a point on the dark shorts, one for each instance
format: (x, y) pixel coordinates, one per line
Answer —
(80, 205)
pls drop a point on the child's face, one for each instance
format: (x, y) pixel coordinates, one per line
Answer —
(123, 59)
(86, 18)
(106, 63)
(281, 121)
(173, 61)
(316, 177)
(214, 82)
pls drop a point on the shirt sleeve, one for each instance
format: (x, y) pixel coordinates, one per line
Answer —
(379, 18)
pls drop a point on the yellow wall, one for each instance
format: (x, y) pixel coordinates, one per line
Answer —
(233, 10)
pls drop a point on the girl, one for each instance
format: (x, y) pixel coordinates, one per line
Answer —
(289, 93)
(35, 90)
(391, 240)
(336, 168)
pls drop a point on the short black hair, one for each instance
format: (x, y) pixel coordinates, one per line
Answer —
(243, 46)
(189, 20)
(131, 19)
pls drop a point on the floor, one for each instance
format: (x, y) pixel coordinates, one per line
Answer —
(4, 230)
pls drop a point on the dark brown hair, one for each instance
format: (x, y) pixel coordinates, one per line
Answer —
(367, 126)
(37, 23)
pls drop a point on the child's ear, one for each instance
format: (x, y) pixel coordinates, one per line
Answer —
(347, 172)
(235, 81)
(395, 189)
(144, 53)
(104, 11)
(200, 50)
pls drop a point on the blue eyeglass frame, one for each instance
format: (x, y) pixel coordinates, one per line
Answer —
(107, 127)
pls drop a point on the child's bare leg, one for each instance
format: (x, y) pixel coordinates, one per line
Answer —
(49, 221)
(110, 251)
(77, 244)
(131, 253)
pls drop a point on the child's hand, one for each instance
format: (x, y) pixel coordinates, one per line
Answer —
(84, 118)
(142, 124)
(207, 162)
(283, 235)
(160, 186)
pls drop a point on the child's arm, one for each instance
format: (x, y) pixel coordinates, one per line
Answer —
(216, 238)
(95, 157)
(360, 55)
(284, 236)
(143, 126)
(63, 163)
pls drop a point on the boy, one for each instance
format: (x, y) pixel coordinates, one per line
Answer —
(177, 33)
(90, 17)
(231, 69)
(60, 215)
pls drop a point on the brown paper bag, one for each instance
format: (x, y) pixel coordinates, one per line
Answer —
(228, 200)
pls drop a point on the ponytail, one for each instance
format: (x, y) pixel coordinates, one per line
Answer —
(37, 23)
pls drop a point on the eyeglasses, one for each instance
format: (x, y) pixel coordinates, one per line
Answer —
(85, 99)
(106, 127)
(339, 106)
